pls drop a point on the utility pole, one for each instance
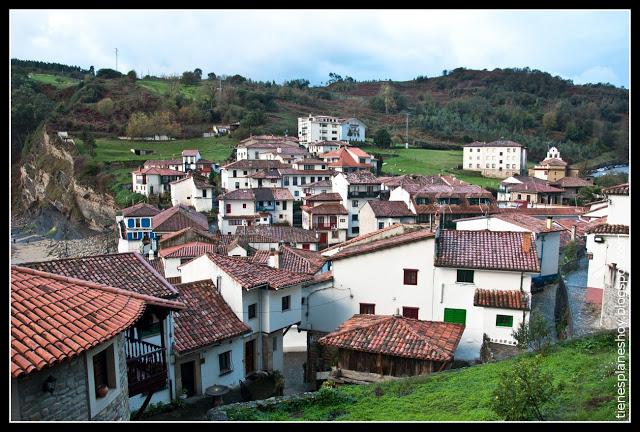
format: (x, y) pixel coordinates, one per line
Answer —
(116, 58)
(407, 131)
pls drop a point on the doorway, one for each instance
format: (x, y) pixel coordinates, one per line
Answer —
(249, 357)
(188, 376)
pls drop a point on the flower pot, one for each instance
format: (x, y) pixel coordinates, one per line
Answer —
(102, 390)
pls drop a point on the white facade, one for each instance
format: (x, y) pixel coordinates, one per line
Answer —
(296, 181)
(352, 129)
(136, 229)
(186, 192)
(369, 222)
(318, 128)
(497, 161)
(354, 197)
(235, 208)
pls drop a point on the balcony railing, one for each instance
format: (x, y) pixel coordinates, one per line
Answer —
(363, 194)
(327, 226)
(146, 366)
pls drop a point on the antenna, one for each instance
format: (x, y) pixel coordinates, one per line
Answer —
(116, 58)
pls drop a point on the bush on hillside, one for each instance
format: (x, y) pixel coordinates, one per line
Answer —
(108, 73)
(105, 107)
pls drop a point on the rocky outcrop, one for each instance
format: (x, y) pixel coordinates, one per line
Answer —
(47, 179)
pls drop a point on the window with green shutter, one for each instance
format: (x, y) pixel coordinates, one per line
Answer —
(504, 321)
(456, 316)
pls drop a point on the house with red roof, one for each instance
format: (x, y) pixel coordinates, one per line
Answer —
(264, 298)
(377, 214)
(259, 206)
(325, 213)
(76, 351)
(609, 251)
(356, 188)
(154, 181)
(553, 168)
(237, 175)
(194, 190)
(135, 232)
(349, 159)
(254, 147)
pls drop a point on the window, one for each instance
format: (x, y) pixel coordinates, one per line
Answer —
(477, 165)
(244, 205)
(354, 218)
(303, 180)
(500, 153)
(470, 165)
(102, 371)
(274, 341)
(504, 321)
(465, 276)
(487, 165)
(410, 277)
(286, 303)
(335, 234)
(355, 230)
(295, 181)
(354, 203)
(410, 312)
(295, 193)
(312, 179)
(286, 181)
(380, 225)
(244, 173)
(204, 193)
(456, 316)
(284, 205)
(228, 208)
(252, 310)
(224, 361)
(367, 309)
(281, 216)
(237, 185)
(235, 173)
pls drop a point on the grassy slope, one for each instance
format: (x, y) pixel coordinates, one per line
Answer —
(583, 367)
(429, 162)
(58, 81)
(162, 88)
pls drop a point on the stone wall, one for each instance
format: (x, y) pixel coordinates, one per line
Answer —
(220, 413)
(118, 409)
(319, 357)
(616, 302)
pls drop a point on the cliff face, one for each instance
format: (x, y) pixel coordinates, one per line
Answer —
(46, 180)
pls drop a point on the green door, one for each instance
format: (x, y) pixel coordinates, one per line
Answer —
(456, 316)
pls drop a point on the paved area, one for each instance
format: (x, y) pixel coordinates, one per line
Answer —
(585, 316)
(544, 302)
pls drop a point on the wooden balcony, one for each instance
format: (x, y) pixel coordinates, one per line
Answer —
(146, 366)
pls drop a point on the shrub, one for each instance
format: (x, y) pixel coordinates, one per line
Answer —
(108, 73)
(533, 334)
(105, 107)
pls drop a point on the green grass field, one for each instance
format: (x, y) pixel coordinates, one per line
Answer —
(428, 162)
(112, 150)
(584, 368)
(58, 81)
(163, 87)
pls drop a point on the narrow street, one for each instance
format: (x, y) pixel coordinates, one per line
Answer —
(585, 316)
(545, 303)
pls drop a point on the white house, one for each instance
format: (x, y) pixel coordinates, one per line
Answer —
(254, 206)
(153, 181)
(314, 128)
(500, 158)
(296, 180)
(376, 215)
(356, 188)
(326, 214)
(608, 250)
(174, 256)
(546, 236)
(317, 187)
(348, 159)
(253, 147)
(264, 298)
(352, 129)
(209, 346)
(236, 175)
(135, 232)
(193, 190)
(318, 147)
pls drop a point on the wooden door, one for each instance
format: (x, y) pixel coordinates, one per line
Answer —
(249, 357)
(323, 238)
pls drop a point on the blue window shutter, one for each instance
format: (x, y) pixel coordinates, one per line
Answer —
(129, 236)
(130, 222)
(146, 222)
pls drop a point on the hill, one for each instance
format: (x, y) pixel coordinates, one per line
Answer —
(584, 369)
(528, 106)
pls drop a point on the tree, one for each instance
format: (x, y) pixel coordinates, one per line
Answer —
(105, 107)
(89, 141)
(524, 390)
(189, 78)
(92, 71)
(198, 73)
(550, 120)
(533, 334)
(212, 178)
(108, 73)
(212, 76)
(382, 138)
(132, 75)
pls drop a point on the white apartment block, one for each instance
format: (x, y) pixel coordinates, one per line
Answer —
(314, 128)
(356, 188)
(498, 159)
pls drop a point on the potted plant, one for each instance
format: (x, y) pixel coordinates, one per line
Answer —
(102, 390)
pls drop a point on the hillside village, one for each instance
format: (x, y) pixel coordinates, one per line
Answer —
(387, 276)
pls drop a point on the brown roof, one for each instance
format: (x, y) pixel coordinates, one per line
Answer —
(266, 174)
(384, 243)
(496, 143)
(570, 182)
(397, 336)
(259, 194)
(390, 208)
(489, 250)
(140, 210)
(525, 221)
(159, 171)
(54, 318)
(185, 232)
(260, 257)
(605, 228)
(548, 211)
(552, 162)
(198, 180)
(534, 187)
(179, 217)
(503, 299)
(128, 271)
(276, 234)
(321, 183)
(207, 319)
(188, 250)
(372, 236)
(255, 164)
(361, 177)
(301, 260)
(621, 189)
(326, 209)
(190, 152)
(324, 196)
(250, 275)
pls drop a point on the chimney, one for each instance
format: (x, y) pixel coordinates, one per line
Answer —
(526, 242)
(573, 232)
(274, 259)
(549, 222)
(151, 257)
(397, 314)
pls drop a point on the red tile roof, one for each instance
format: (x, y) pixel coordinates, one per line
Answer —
(140, 210)
(186, 231)
(179, 217)
(552, 162)
(199, 181)
(358, 152)
(276, 234)
(548, 211)
(159, 171)
(372, 236)
(397, 336)
(190, 152)
(621, 189)
(258, 194)
(384, 243)
(390, 208)
(54, 318)
(605, 228)
(344, 159)
(301, 260)
(571, 182)
(326, 209)
(533, 187)
(325, 196)
(255, 164)
(489, 250)
(362, 177)
(188, 250)
(525, 221)
(503, 299)
(128, 271)
(260, 257)
(207, 318)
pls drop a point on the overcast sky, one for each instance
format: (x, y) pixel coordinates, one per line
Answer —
(377, 44)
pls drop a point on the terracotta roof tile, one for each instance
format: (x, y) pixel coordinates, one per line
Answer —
(325, 196)
(621, 189)
(534, 187)
(390, 208)
(188, 250)
(570, 182)
(190, 152)
(496, 143)
(525, 221)
(207, 318)
(301, 260)
(201, 234)
(490, 250)
(128, 271)
(159, 171)
(179, 217)
(276, 234)
(71, 316)
(326, 209)
(397, 336)
(504, 299)
(605, 228)
(140, 210)
(384, 243)
(361, 177)
(255, 164)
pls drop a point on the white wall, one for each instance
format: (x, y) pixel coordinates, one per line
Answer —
(210, 369)
(615, 249)
(620, 210)
(171, 267)
(369, 222)
(276, 319)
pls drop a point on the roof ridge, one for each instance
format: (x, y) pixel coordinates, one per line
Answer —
(150, 299)
(403, 321)
(155, 273)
